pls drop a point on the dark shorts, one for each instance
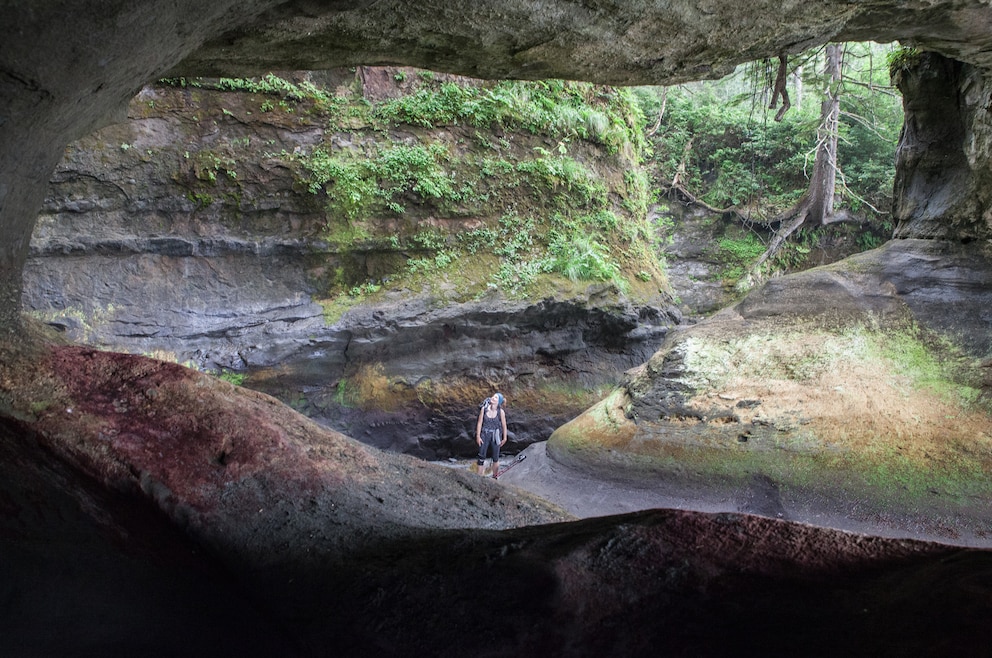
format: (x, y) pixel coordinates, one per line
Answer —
(489, 439)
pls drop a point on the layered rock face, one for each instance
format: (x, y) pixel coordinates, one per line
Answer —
(189, 233)
(152, 509)
(942, 173)
(97, 58)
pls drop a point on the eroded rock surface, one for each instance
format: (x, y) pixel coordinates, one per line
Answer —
(188, 233)
(815, 379)
(298, 541)
(853, 390)
(684, 582)
(942, 165)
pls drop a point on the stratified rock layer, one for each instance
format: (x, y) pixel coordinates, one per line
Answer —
(188, 232)
(676, 581)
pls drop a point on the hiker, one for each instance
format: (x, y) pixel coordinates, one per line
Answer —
(490, 431)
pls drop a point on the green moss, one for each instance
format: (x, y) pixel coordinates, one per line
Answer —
(232, 377)
(932, 363)
(737, 254)
(902, 59)
(901, 472)
(207, 165)
(884, 479)
(200, 199)
(547, 211)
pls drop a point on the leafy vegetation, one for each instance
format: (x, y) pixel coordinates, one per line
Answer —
(524, 182)
(480, 150)
(551, 107)
(355, 184)
(738, 253)
(720, 142)
(740, 155)
(232, 377)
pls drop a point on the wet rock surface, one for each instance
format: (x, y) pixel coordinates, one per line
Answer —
(187, 233)
(292, 540)
(689, 583)
(941, 190)
(482, 346)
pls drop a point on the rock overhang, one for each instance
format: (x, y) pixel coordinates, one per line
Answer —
(615, 43)
(96, 56)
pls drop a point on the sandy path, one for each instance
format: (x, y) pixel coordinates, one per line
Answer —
(585, 496)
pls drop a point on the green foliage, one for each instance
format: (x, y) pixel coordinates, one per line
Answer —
(343, 396)
(433, 243)
(526, 250)
(739, 156)
(349, 185)
(231, 377)
(269, 85)
(275, 86)
(181, 82)
(480, 240)
(738, 253)
(868, 241)
(743, 249)
(414, 168)
(367, 288)
(516, 151)
(200, 199)
(552, 107)
(902, 58)
(208, 164)
(446, 105)
(515, 237)
(561, 175)
(637, 192)
(582, 257)
(356, 185)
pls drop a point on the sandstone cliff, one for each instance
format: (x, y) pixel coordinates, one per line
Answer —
(380, 248)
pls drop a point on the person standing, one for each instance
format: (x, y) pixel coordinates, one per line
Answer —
(490, 432)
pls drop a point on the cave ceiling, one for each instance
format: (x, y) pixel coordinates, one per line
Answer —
(640, 42)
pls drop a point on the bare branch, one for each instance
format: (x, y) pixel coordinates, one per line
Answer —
(864, 122)
(888, 91)
(661, 112)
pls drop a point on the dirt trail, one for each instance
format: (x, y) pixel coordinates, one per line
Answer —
(586, 496)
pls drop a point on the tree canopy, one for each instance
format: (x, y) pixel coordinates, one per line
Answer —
(728, 146)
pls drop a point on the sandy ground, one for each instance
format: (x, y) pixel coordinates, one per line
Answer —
(585, 496)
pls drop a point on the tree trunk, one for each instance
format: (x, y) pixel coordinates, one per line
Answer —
(825, 166)
(661, 112)
(816, 206)
(798, 79)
